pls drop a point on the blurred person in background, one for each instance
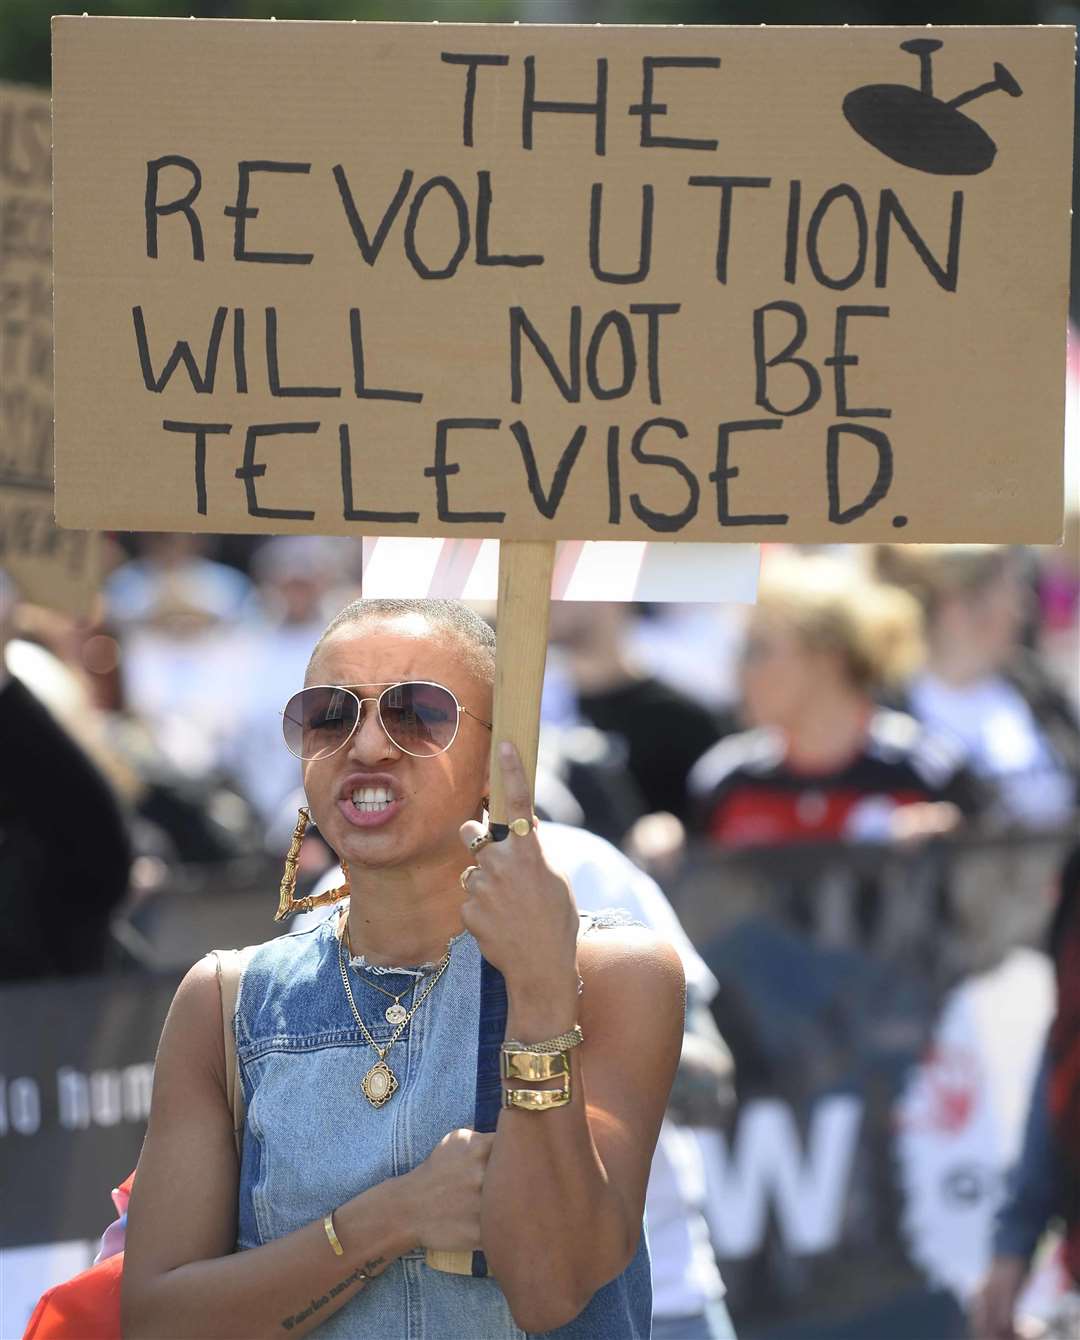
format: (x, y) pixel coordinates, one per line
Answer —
(170, 687)
(823, 762)
(688, 1292)
(180, 677)
(1045, 1184)
(174, 816)
(56, 897)
(693, 647)
(176, 612)
(598, 680)
(176, 568)
(299, 580)
(982, 685)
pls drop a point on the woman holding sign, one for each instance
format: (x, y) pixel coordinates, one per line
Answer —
(458, 990)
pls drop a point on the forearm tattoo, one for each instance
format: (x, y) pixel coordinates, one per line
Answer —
(360, 1276)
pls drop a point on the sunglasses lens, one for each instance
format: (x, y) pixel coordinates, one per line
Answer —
(317, 722)
(421, 719)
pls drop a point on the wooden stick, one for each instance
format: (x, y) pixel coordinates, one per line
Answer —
(525, 570)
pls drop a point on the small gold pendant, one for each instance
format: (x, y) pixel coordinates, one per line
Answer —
(395, 1013)
(379, 1084)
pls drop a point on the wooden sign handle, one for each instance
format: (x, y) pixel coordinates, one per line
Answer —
(525, 570)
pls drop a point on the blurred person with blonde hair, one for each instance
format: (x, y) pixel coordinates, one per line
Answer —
(823, 761)
(981, 685)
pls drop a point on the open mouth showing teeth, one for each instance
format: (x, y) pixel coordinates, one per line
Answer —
(372, 799)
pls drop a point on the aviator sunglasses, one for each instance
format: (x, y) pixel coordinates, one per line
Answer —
(419, 717)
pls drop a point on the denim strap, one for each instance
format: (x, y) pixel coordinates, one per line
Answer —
(492, 1032)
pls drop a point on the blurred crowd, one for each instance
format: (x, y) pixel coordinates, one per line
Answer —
(877, 695)
(871, 695)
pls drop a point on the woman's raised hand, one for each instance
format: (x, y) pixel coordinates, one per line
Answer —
(446, 1187)
(520, 911)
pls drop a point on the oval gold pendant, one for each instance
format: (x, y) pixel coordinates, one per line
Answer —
(395, 1013)
(379, 1084)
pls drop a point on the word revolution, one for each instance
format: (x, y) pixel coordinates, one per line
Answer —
(465, 227)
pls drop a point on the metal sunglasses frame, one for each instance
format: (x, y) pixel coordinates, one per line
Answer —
(385, 686)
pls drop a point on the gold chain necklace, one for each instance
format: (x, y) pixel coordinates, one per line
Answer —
(395, 1014)
(380, 1083)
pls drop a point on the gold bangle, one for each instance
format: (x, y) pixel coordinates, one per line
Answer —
(530, 1065)
(537, 1100)
(562, 1043)
(331, 1235)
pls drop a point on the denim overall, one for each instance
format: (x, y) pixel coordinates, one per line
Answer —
(312, 1140)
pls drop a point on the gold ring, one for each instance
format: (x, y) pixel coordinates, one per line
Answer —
(522, 827)
(463, 878)
(480, 842)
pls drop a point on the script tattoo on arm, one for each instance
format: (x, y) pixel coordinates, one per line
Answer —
(360, 1276)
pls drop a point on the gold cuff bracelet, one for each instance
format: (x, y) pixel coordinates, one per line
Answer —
(530, 1065)
(537, 1100)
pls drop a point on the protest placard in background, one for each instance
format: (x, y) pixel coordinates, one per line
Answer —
(50, 566)
(554, 283)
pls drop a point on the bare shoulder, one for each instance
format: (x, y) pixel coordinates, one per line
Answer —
(632, 1015)
(183, 1204)
(192, 1039)
(629, 967)
(629, 949)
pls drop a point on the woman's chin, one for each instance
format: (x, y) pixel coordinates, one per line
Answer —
(396, 847)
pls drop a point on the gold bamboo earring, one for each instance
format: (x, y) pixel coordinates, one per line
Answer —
(288, 903)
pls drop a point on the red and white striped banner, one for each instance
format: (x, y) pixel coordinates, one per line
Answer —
(584, 570)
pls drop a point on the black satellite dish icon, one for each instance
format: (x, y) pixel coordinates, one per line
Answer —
(913, 127)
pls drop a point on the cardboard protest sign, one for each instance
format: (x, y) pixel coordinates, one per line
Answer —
(50, 566)
(540, 283)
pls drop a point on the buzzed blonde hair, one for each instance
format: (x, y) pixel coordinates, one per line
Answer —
(476, 637)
